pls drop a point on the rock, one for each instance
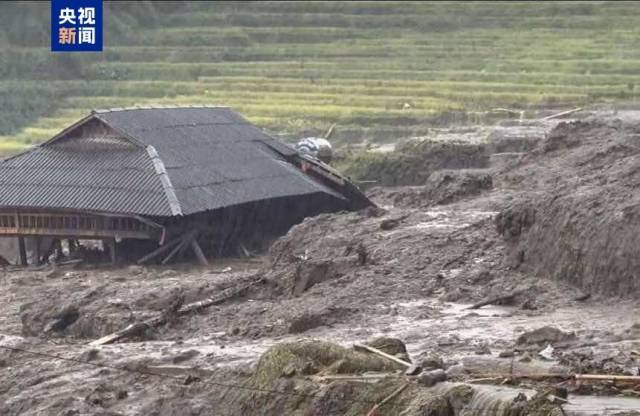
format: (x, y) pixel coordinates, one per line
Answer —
(392, 346)
(432, 361)
(391, 223)
(304, 322)
(446, 340)
(526, 358)
(185, 356)
(167, 273)
(90, 355)
(506, 354)
(455, 371)
(63, 319)
(483, 350)
(545, 335)
(135, 270)
(429, 378)
(310, 273)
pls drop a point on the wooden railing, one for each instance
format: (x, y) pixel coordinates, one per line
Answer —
(74, 225)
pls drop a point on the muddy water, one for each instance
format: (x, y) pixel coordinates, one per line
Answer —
(600, 405)
(453, 328)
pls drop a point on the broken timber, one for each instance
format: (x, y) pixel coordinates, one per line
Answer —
(498, 299)
(387, 399)
(412, 369)
(551, 376)
(179, 244)
(137, 328)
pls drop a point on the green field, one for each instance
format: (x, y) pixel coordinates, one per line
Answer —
(380, 70)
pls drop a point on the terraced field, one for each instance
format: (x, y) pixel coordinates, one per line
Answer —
(380, 70)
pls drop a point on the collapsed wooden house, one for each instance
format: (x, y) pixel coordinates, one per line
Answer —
(152, 183)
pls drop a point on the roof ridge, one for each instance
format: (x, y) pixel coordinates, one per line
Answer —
(169, 190)
(155, 107)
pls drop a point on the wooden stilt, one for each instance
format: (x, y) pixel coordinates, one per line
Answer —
(112, 250)
(38, 248)
(159, 250)
(175, 251)
(23, 251)
(198, 251)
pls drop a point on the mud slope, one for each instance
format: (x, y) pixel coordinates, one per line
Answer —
(579, 219)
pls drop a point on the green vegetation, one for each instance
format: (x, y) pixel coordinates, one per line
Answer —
(380, 70)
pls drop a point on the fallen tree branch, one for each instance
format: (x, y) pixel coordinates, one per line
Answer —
(387, 399)
(137, 328)
(412, 369)
(498, 299)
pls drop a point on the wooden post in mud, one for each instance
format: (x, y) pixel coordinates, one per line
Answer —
(111, 243)
(23, 251)
(38, 253)
(199, 254)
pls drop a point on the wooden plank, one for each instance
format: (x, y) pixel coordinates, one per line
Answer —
(564, 113)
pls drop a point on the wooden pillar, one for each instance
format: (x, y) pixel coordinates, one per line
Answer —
(111, 243)
(199, 254)
(114, 254)
(23, 251)
(38, 253)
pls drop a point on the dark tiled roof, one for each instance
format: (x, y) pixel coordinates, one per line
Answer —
(171, 161)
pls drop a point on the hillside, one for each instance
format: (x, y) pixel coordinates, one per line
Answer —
(380, 70)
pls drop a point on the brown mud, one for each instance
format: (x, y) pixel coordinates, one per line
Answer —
(549, 219)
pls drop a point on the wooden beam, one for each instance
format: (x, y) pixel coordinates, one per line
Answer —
(159, 250)
(38, 250)
(198, 251)
(112, 250)
(175, 251)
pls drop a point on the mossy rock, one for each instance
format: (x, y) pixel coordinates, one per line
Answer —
(428, 406)
(313, 357)
(392, 346)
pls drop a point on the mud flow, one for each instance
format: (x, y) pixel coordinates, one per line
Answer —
(498, 276)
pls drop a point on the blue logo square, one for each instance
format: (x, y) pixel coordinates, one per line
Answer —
(76, 25)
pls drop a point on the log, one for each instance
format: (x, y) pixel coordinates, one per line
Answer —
(381, 353)
(607, 377)
(130, 330)
(412, 369)
(498, 299)
(549, 376)
(137, 328)
(365, 378)
(387, 399)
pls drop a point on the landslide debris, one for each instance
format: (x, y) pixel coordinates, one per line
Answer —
(578, 218)
(413, 161)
